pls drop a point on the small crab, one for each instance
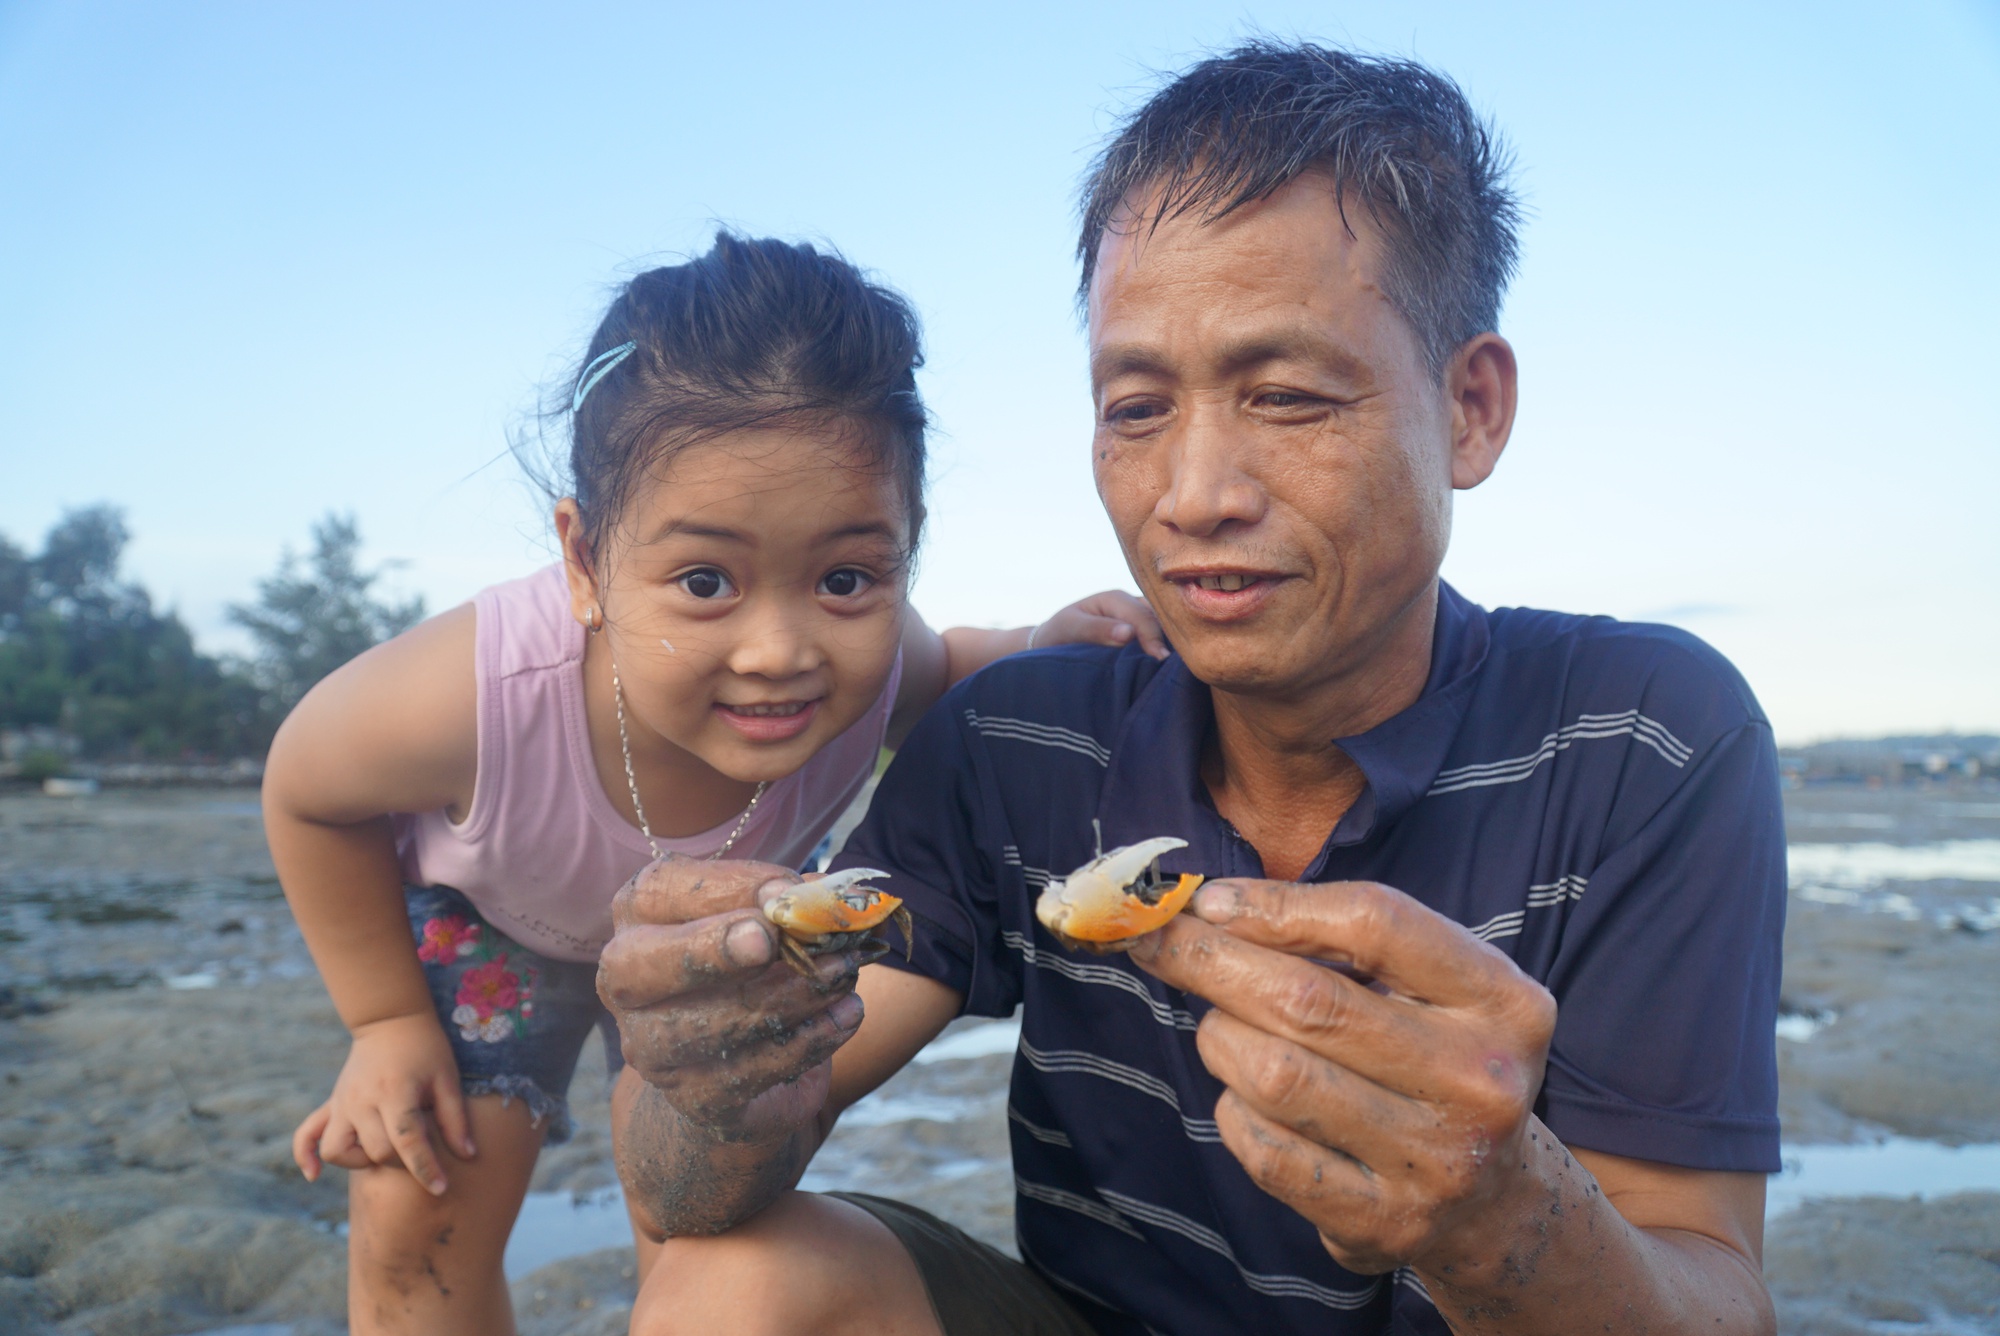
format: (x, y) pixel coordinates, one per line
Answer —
(1116, 898)
(833, 913)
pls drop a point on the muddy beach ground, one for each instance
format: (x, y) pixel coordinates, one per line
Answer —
(145, 1114)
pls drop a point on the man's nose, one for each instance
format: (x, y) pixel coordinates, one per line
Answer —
(776, 642)
(1210, 484)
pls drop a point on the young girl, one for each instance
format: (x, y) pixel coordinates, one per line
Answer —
(711, 671)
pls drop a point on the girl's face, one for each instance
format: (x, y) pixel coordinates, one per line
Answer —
(753, 597)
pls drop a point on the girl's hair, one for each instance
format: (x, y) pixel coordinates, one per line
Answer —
(756, 333)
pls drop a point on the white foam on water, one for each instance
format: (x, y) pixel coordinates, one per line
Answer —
(879, 1110)
(974, 1041)
(555, 1225)
(1897, 1167)
(1864, 866)
(1800, 1027)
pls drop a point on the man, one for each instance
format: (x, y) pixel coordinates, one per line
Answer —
(1543, 853)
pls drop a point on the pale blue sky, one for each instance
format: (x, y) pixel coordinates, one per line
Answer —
(263, 261)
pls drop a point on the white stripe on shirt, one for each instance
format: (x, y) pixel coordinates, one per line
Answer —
(1630, 724)
(1040, 735)
(1076, 1062)
(1107, 976)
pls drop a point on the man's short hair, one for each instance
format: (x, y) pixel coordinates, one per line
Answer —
(1392, 133)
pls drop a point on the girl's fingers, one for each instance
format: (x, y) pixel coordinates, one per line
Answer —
(1078, 626)
(340, 1147)
(1134, 615)
(1151, 638)
(372, 1137)
(454, 1120)
(305, 1143)
(410, 1134)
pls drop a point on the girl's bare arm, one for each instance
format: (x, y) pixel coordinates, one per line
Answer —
(393, 731)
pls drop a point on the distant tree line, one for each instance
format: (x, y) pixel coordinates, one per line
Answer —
(85, 656)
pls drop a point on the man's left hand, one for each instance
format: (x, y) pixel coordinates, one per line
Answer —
(1392, 1109)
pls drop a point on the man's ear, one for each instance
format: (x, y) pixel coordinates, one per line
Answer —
(1484, 388)
(579, 569)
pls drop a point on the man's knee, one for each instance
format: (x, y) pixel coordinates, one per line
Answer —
(804, 1264)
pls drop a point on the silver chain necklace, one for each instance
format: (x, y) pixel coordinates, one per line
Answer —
(632, 781)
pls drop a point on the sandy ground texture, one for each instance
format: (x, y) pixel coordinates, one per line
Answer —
(161, 1032)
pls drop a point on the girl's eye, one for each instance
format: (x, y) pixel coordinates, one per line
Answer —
(845, 582)
(706, 583)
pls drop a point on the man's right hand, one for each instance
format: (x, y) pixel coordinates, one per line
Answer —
(735, 1039)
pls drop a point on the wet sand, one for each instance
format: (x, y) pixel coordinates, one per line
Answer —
(145, 1114)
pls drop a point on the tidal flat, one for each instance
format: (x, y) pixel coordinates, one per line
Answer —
(162, 1030)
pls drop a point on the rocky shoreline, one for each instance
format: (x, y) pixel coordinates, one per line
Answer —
(161, 1032)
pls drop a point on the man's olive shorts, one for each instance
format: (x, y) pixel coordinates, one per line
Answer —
(976, 1289)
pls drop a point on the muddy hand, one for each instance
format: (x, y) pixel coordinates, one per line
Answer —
(1390, 1119)
(709, 1011)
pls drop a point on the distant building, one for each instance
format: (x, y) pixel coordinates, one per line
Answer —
(1949, 758)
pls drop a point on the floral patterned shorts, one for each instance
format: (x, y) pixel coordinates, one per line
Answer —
(516, 1019)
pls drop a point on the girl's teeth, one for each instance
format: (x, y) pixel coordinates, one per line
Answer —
(767, 710)
(1227, 584)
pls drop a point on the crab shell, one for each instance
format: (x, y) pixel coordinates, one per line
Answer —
(835, 912)
(1116, 898)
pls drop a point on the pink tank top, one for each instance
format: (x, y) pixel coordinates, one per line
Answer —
(543, 851)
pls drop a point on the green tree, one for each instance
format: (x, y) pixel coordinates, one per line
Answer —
(84, 652)
(316, 613)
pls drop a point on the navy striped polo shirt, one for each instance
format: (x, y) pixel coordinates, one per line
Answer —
(1598, 799)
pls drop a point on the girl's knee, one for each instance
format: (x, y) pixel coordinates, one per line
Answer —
(392, 1215)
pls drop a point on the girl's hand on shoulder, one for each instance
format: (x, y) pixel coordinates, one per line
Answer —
(1110, 618)
(397, 1101)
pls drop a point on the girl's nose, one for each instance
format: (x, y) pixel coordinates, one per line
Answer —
(775, 645)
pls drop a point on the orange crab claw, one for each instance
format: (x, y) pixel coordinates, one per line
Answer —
(1130, 916)
(833, 913)
(818, 916)
(1116, 898)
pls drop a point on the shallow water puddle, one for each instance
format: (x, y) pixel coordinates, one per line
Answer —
(973, 1041)
(1898, 1167)
(1858, 876)
(555, 1225)
(1864, 866)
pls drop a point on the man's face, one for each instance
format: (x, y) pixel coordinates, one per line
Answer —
(1274, 455)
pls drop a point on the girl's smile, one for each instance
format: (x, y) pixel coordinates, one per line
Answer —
(770, 721)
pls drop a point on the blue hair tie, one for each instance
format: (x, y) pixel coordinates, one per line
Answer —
(601, 366)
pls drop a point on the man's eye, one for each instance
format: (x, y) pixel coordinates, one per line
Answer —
(1292, 401)
(1134, 413)
(706, 583)
(845, 582)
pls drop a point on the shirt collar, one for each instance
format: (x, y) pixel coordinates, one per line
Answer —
(1153, 786)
